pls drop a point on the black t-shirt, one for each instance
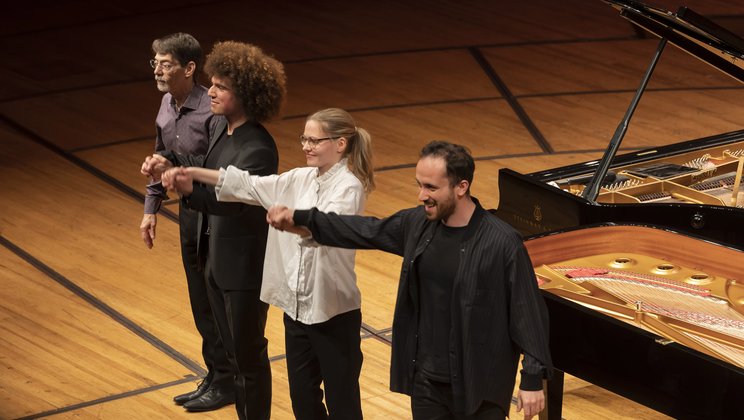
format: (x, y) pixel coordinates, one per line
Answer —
(437, 268)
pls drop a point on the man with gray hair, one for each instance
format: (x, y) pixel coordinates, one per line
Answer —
(183, 125)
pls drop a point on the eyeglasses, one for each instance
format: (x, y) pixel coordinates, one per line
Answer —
(165, 65)
(313, 142)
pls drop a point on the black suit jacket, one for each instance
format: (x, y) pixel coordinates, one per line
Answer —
(236, 242)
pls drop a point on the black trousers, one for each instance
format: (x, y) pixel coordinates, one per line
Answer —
(219, 371)
(241, 321)
(328, 352)
(431, 400)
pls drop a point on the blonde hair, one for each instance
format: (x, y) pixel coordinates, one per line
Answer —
(338, 123)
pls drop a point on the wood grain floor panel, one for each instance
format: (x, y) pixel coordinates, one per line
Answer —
(588, 121)
(57, 350)
(377, 277)
(405, 71)
(364, 82)
(599, 66)
(378, 402)
(89, 117)
(76, 224)
(289, 31)
(583, 400)
(122, 161)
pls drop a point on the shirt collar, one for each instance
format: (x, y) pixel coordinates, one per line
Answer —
(192, 101)
(331, 172)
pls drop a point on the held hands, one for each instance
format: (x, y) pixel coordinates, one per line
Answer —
(179, 180)
(533, 403)
(155, 165)
(280, 217)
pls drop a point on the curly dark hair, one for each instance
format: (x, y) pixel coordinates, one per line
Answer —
(258, 79)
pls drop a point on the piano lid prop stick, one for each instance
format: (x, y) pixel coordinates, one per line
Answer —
(591, 191)
(737, 182)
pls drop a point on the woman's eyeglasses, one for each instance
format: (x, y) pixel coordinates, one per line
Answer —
(313, 142)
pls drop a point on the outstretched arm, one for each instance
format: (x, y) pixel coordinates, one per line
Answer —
(204, 175)
(182, 179)
(347, 231)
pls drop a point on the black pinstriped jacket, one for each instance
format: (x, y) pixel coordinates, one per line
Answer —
(497, 310)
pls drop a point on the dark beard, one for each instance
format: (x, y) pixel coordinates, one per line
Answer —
(445, 210)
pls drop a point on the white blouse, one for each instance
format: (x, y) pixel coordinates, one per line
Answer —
(311, 283)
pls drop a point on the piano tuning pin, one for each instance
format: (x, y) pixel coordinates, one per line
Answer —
(621, 184)
(576, 191)
(708, 173)
(612, 186)
(699, 163)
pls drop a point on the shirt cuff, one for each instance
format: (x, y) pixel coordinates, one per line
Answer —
(156, 189)
(301, 217)
(152, 204)
(220, 183)
(307, 241)
(531, 381)
(154, 197)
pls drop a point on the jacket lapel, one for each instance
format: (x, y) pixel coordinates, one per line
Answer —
(218, 131)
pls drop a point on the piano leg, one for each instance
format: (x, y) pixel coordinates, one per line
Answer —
(555, 397)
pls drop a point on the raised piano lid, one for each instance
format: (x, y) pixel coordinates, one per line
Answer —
(532, 206)
(688, 31)
(691, 32)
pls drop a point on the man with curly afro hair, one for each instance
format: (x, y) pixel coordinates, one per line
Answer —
(248, 88)
(256, 79)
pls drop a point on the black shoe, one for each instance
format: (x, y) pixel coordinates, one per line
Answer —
(213, 399)
(200, 390)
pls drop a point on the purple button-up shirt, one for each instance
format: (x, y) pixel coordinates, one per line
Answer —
(185, 131)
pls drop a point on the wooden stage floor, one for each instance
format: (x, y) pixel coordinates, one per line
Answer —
(94, 325)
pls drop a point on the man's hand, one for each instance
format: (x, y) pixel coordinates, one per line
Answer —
(280, 217)
(179, 180)
(533, 403)
(147, 229)
(155, 165)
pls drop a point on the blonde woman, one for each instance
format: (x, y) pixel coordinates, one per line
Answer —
(314, 285)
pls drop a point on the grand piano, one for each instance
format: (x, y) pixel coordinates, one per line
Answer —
(639, 256)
